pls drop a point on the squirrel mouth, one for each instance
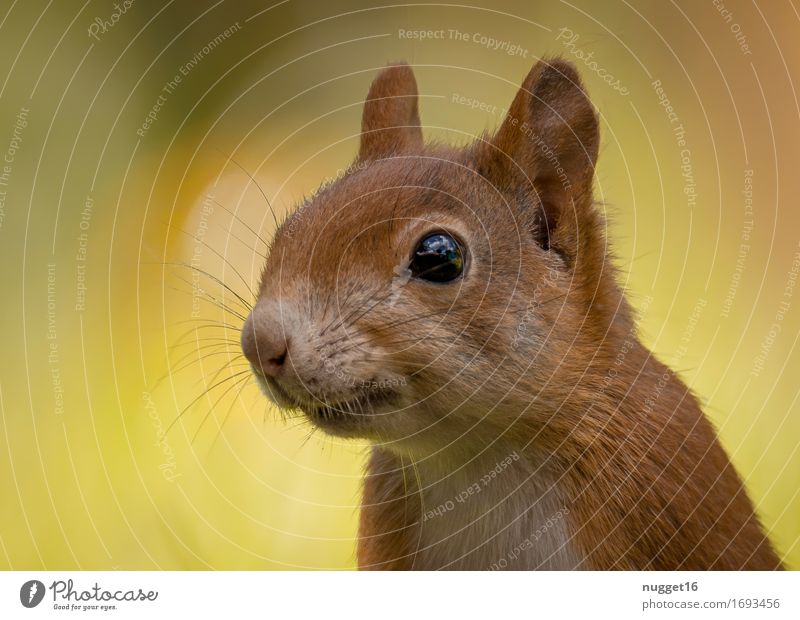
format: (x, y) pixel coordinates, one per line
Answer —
(352, 410)
(328, 415)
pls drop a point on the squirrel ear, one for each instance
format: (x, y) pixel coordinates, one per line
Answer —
(390, 123)
(548, 143)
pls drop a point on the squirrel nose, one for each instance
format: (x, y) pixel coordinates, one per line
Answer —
(264, 342)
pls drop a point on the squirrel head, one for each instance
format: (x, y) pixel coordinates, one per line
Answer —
(431, 290)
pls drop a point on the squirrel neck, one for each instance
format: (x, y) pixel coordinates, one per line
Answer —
(523, 498)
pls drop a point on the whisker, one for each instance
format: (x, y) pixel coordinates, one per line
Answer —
(353, 288)
(393, 324)
(260, 189)
(247, 306)
(179, 341)
(384, 358)
(228, 413)
(313, 430)
(235, 384)
(221, 256)
(233, 343)
(207, 297)
(403, 341)
(346, 319)
(210, 247)
(206, 391)
(242, 222)
(172, 371)
(230, 233)
(209, 346)
(206, 323)
(206, 357)
(221, 369)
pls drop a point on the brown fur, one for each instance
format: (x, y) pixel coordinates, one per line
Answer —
(532, 353)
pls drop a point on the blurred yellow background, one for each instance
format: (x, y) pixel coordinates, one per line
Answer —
(128, 135)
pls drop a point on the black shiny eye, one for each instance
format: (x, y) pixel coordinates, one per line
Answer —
(437, 258)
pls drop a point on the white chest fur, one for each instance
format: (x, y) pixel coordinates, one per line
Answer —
(498, 512)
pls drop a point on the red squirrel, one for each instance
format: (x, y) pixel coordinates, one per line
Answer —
(458, 309)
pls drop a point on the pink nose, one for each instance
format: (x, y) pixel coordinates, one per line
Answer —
(264, 342)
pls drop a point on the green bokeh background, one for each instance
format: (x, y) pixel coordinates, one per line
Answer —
(90, 480)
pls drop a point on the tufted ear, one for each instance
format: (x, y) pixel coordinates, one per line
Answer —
(390, 123)
(547, 148)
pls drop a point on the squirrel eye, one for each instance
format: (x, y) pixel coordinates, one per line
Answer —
(437, 258)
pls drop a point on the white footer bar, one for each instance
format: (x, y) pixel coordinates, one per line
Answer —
(386, 596)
